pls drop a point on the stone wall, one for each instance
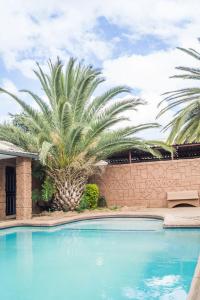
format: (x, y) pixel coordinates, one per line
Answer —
(146, 184)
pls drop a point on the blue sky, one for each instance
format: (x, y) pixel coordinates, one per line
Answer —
(133, 41)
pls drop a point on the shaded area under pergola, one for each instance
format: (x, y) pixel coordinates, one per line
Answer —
(184, 151)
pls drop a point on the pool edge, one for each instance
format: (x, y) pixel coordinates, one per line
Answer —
(57, 222)
(194, 292)
(167, 224)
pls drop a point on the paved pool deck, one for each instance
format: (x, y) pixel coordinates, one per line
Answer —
(172, 218)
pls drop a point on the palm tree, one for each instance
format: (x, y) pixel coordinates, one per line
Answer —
(73, 130)
(185, 127)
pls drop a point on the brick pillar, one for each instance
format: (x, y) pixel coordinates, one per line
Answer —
(2, 191)
(24, 188)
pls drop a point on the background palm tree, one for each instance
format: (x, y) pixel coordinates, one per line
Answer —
(72, 130)
(185, 127)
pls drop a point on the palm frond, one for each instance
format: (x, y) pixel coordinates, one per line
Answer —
(72, 128)
(185, 126)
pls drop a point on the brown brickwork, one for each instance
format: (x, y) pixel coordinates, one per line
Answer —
(24, 188)
(146, 184)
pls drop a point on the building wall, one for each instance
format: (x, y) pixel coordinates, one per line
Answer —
(146, 184)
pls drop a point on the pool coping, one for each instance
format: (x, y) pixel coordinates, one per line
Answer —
(65, 220)
(170, 221)
(194, 292)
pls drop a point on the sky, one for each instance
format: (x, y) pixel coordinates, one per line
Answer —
(134, 42)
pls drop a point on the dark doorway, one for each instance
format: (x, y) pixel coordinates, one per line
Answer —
(10, 191)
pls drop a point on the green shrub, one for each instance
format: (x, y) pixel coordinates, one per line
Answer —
(36, 195)
(38, 171)
(102, 202)
(90, 197)
(83, 205)
(48, 189)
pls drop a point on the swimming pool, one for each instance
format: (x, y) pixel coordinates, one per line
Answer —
(101, 259)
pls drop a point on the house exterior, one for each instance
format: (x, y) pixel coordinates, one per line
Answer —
(131, 178)
(15, 182)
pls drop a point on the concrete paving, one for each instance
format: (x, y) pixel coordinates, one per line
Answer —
(194, 293)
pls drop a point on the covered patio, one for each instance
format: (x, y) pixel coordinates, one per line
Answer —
(15, 182)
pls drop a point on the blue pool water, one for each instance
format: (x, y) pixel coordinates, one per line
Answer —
(105, 259)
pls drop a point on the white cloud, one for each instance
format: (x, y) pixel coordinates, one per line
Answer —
(166, 19)
(36, 30)
(7, 104)
(31, 30)
(43, 29)
(150, 74)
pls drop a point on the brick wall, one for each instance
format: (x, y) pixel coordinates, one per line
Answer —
(24, 188)
(146, 184)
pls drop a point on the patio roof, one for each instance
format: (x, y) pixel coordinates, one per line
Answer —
(182, 151)
(9, 150)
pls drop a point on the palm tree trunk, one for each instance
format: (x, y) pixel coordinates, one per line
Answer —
(69, 189)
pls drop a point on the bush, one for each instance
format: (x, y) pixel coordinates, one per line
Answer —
(83, 205)
(90, 197)
(38, 171)
(36, 195)
(102, 202)
(48, 189)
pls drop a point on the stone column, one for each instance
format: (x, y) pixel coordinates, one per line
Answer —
(2, 191)
(24, 188)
